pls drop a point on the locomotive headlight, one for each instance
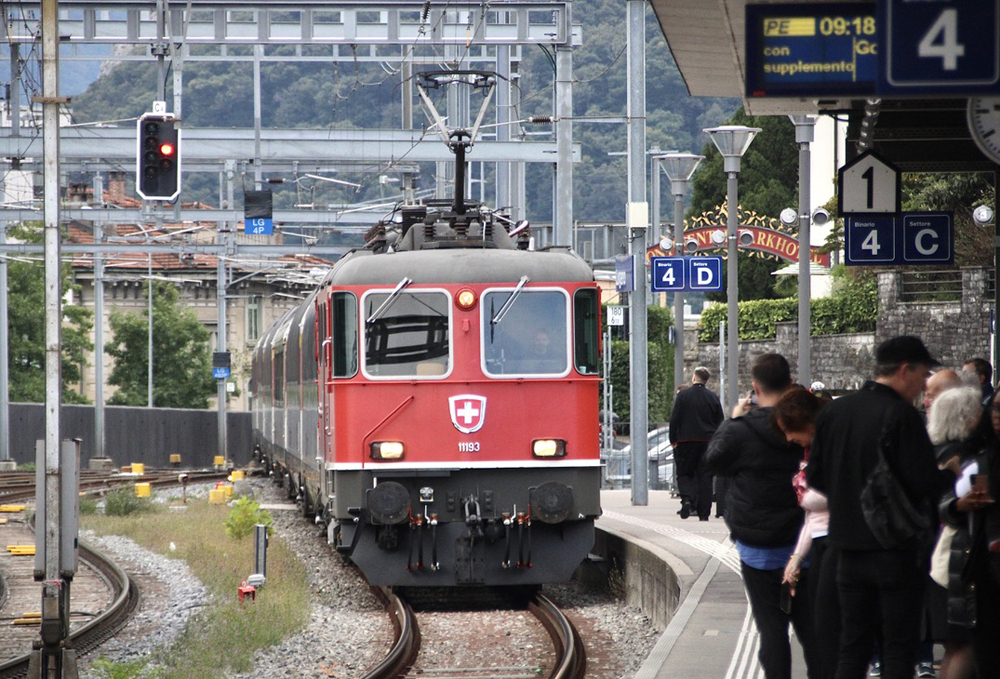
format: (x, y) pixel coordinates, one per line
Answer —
(387, 450)
(465, 299)
(548, 448)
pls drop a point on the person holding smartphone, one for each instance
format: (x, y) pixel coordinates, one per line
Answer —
(764, 517)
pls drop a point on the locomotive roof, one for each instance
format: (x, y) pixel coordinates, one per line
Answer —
(460, 265)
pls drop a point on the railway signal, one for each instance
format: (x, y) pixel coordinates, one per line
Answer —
(158, 157)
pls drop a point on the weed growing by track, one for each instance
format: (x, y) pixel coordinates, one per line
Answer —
(225, 635)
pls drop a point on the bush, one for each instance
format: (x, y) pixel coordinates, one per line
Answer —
(88, 505)
(758, 318)
(244, 516)
(122, 502)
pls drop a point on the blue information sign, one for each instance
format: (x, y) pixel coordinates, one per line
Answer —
(678, 274)
(705, 273)
(220, 373)
(668, 274)
(911, 238)
(935, 46)
(259, 226)
(804, 49)
(624, 273)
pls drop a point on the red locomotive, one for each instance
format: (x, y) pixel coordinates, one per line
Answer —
(435, 402)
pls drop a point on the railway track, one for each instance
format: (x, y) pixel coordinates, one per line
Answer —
(89, 632)
(19, 486)
(103, 617)
(566, 658)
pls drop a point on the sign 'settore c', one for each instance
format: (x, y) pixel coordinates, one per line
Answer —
(802, 49)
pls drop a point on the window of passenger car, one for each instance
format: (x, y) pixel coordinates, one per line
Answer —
(407, 334)
(525, 334)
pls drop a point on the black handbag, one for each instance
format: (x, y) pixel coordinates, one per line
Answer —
(888, 511)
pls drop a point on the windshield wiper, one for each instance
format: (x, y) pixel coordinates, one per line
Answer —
(510, 301)
(393, 296)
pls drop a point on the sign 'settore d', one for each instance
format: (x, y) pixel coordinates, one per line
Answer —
(802, 49)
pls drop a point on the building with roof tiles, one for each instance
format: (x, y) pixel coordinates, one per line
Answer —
(258, 292)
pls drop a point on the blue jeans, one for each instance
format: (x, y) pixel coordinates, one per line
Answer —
(879, 589)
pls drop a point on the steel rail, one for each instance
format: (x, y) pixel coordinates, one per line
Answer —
(406, 642)
(102, 627)
(572, 658)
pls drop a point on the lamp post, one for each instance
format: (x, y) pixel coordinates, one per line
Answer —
(805, 128)
(680, 168)
(732, 142)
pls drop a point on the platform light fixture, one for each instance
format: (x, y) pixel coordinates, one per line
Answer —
(732, 142)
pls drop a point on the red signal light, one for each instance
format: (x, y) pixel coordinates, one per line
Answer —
(167, 149)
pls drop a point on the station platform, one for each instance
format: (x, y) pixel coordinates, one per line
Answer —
(709, 631)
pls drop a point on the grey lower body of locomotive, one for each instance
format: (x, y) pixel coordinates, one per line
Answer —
(469, 531)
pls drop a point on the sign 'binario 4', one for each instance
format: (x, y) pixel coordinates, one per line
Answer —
(158, 157)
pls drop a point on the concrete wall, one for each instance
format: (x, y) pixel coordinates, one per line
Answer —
(638, 573)
(135, 434)
(953, 331)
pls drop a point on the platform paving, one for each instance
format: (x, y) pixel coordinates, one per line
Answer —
(711, 633)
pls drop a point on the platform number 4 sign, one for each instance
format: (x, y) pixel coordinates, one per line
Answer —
(939, 46)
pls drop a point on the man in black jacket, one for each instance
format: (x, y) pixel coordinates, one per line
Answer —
(877, 585)
(763, 514)
(696, 415)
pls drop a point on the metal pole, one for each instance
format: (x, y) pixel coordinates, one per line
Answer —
(15, 121)
(723, 389)
(160, 51)
(732, 287)
(678, 188)
(804, 134)
(225, 240)
(258, 54)
(517, 182)
(563, 217)
(149, 337)
(55, 593)
(503, 128)
(99, 345)
(638, 348)
(654, 201)
(4, 360)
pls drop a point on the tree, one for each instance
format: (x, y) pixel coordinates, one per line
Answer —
(182, 362)
(768, 184)
(660, 367)
(26, 329)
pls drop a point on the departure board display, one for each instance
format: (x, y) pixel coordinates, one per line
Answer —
(811, 50)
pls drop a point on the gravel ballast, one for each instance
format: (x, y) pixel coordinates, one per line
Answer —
(348, 630)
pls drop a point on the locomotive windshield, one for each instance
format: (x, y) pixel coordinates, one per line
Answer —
(410, 337)
(532, 337)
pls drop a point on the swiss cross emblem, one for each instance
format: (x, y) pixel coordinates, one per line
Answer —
(468, 412)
